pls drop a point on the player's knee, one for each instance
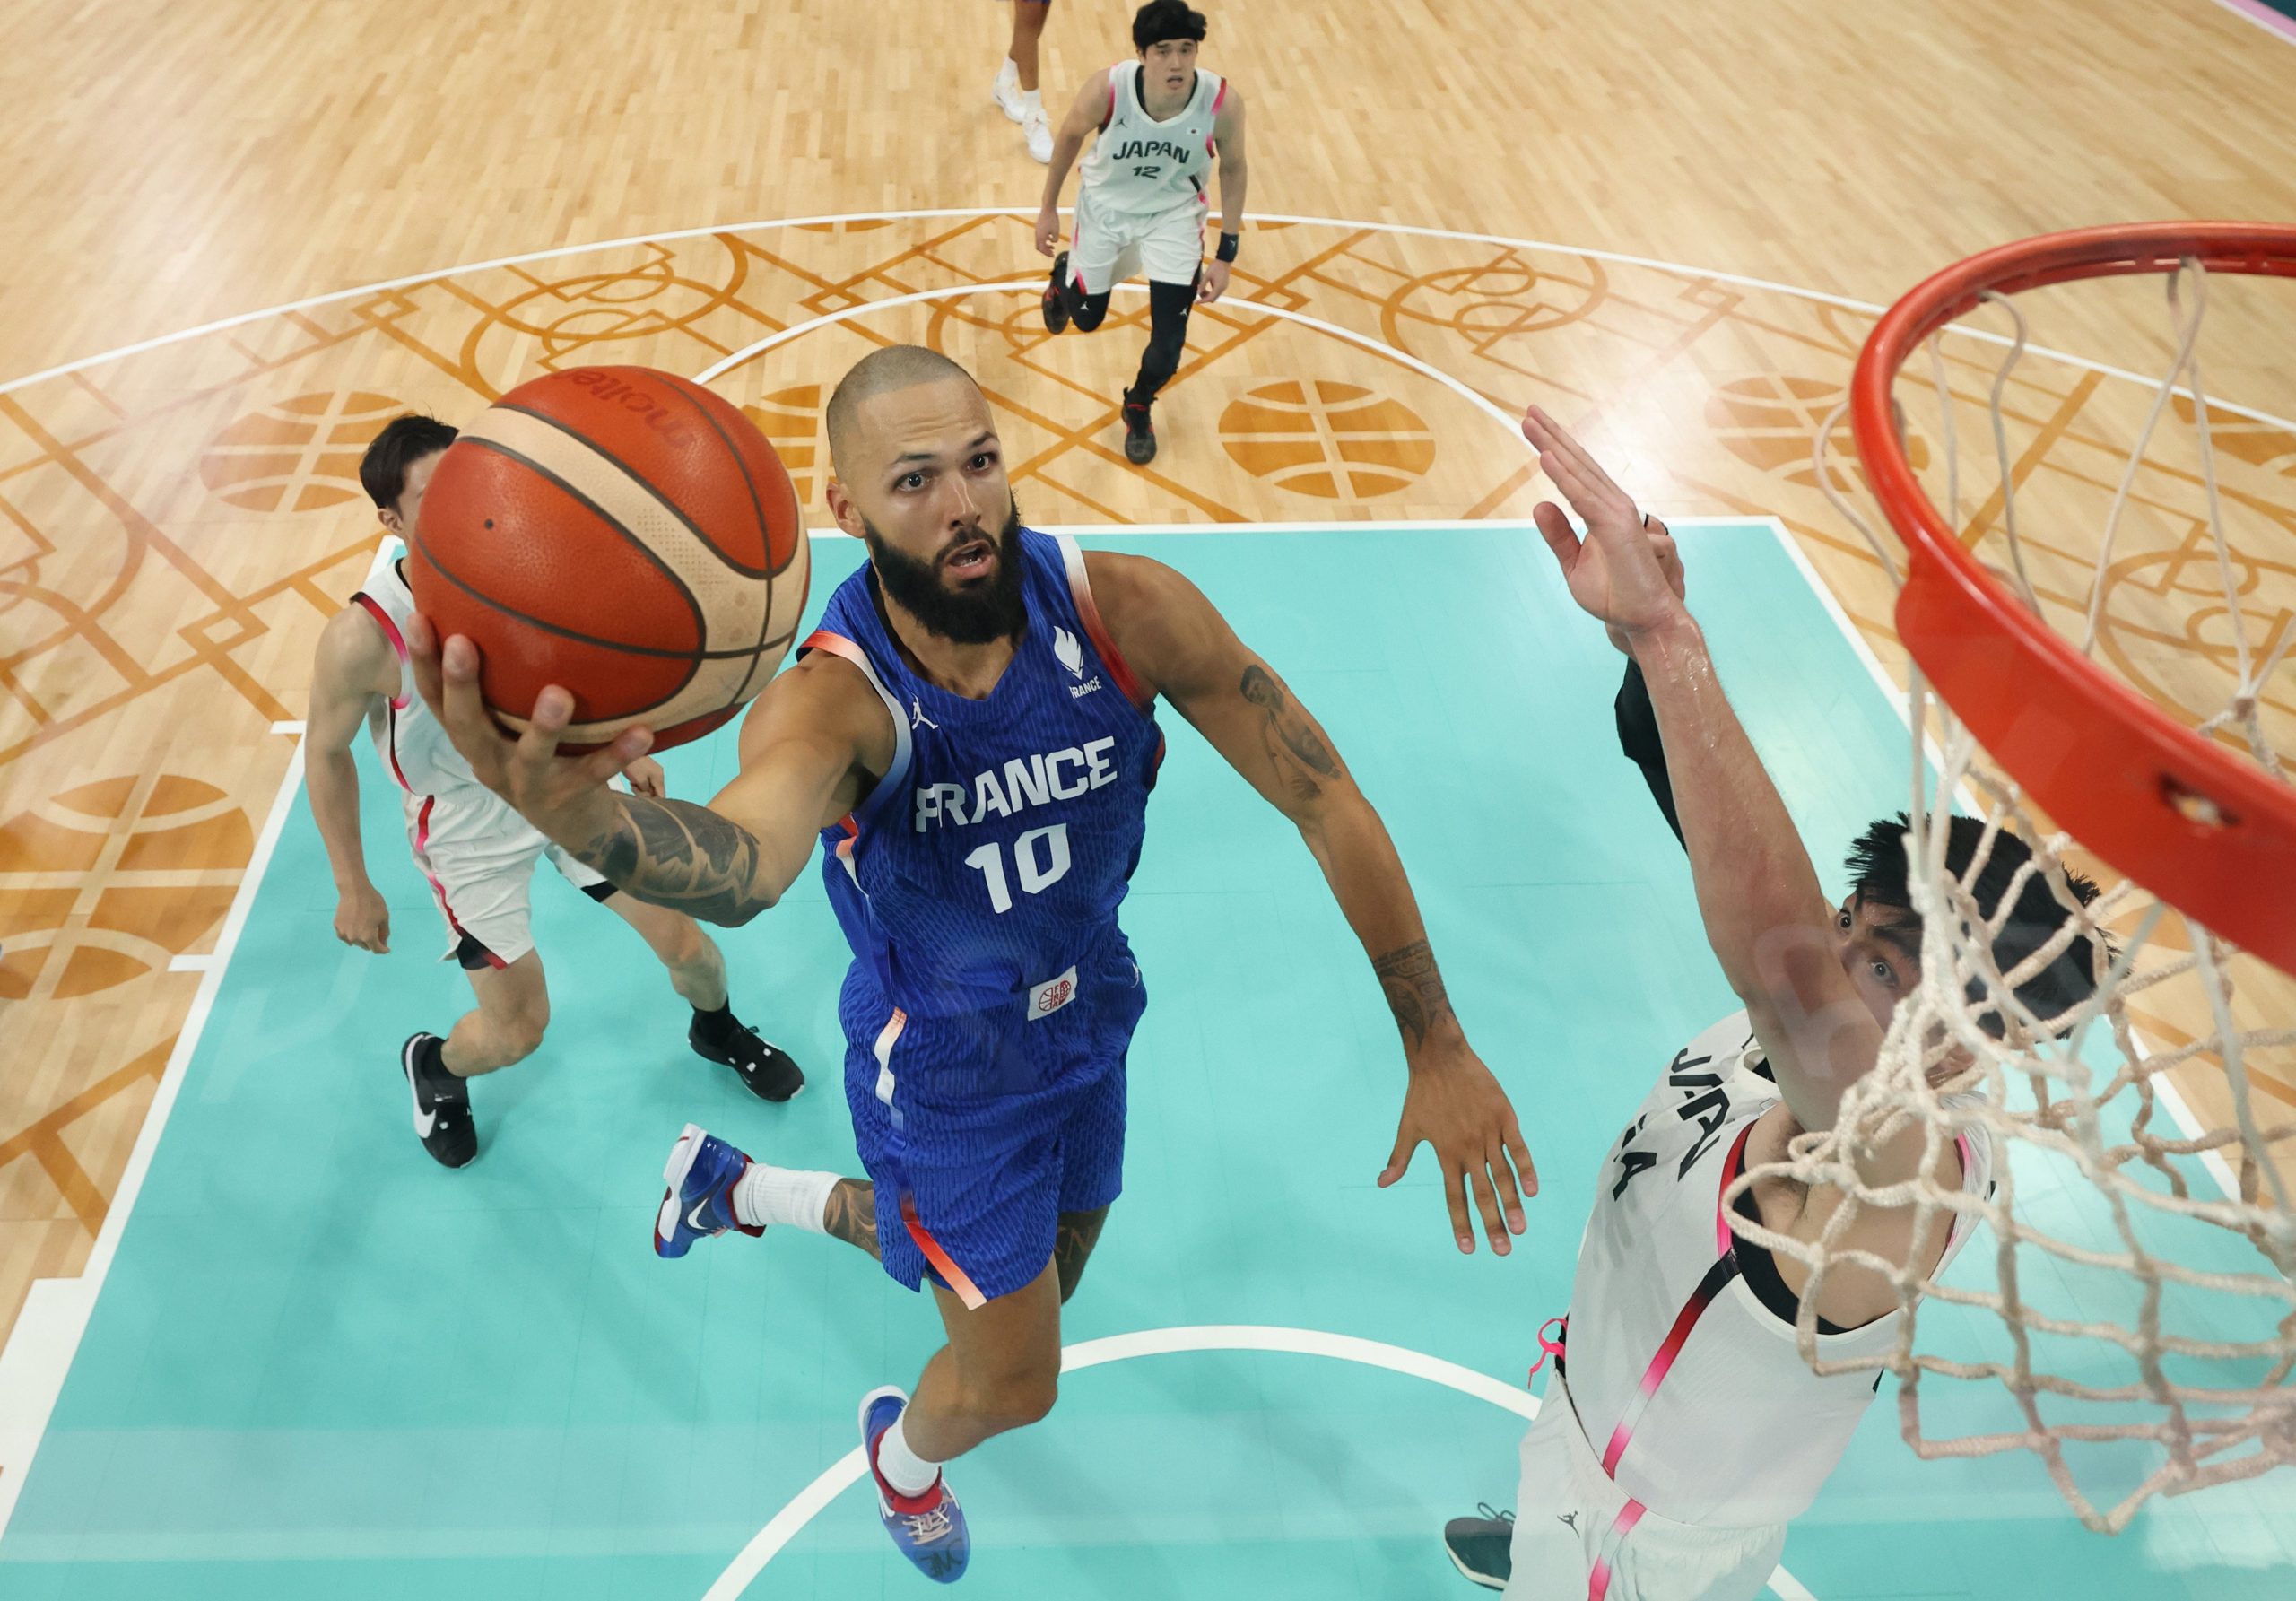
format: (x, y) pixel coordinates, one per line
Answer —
(682, 944)
(520, 1035)
(1016, 1400)
(1086, 312)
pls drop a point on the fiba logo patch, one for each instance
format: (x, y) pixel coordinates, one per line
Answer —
(1052, 994)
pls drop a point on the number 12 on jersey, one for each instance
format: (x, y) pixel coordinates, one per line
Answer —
(1040, 854)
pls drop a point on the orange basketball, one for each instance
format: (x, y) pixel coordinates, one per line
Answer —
(619, 532)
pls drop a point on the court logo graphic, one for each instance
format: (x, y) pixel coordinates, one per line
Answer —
(296, 455)
(1334, 442)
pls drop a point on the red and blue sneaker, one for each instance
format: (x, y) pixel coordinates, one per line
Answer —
(929, 1529)
(701, 1174)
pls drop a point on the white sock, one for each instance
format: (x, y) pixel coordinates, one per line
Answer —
(903, 1468)
(767, 1195)
(1033, 102)
(1010, 73)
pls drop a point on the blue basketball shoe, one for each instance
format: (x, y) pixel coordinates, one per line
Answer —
(699, 1200)
(929, 1529)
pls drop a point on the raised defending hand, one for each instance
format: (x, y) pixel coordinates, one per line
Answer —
(1616, 573)
(565, 796)
(1456, 1105)
(1670, 563)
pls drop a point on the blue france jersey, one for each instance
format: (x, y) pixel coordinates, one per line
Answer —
(991, 857)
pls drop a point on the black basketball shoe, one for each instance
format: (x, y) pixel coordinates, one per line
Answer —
(1056, 297)
(1139, 433)
(1480, 1547)
(441, 1102)
(769, 1072)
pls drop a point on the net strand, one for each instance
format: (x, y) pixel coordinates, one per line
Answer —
(2187, 338)
(2103, 1179)
(2001, 450)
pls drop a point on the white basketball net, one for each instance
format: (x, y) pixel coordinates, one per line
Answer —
(2137, 1306)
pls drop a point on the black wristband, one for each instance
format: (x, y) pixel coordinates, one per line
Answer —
(1228, 243)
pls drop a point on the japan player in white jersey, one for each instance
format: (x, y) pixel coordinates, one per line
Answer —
(1163, 122)
(475, 852)
(1681, 1430)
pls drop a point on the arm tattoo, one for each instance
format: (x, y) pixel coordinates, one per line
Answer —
(852, 1214)
(1296, 752)
(682, 856)
(1415, 990)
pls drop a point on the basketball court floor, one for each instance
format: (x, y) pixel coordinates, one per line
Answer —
(316, 1368)
(259, 1346)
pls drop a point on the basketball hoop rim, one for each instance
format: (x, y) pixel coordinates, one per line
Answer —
(2113, 769)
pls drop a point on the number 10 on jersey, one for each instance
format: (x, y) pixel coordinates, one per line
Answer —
(1040, 855)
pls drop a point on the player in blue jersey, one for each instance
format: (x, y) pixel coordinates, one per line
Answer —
(970, 733)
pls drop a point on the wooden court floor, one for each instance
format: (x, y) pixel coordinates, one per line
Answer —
(1668, 223)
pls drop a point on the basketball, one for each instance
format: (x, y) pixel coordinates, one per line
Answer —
(621, 532)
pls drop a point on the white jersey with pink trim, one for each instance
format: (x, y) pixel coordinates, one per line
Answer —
(1690, 1388)
(1144, 167)
(445, 802)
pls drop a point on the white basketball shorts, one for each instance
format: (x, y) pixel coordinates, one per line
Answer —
(479, 856)
(1112, 246)
(1566, 1526)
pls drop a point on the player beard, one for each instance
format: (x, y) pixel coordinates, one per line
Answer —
(985, 610)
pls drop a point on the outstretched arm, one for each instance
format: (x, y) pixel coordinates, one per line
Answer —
(802, 769)
(1768, 921)
(1175, 640)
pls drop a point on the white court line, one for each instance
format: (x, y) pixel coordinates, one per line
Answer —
(27, 1414)
(2256, 13)
(1403, 229)
(848, 1469)
(290, 726)
(46, 1338)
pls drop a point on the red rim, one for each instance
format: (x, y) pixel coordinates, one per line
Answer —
(2109, 766)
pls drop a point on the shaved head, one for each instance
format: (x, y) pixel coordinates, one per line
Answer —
(882, 372)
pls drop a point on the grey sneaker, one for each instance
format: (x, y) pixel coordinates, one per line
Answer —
(1481, 1547)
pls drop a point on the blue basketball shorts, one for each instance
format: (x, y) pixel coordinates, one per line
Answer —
(979, 1129)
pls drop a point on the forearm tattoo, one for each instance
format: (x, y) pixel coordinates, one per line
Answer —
(1296, 752)
(852, 1214)
(679, 855)
(1415, 990)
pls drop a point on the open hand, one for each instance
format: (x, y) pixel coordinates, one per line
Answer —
(1456, 1105)
(1049, 231)
(566, 797)
(1670, 563)
(1616, 573)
